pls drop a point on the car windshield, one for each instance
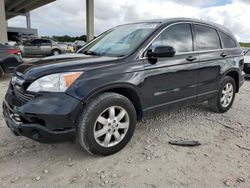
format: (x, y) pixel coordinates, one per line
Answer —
(119, 41)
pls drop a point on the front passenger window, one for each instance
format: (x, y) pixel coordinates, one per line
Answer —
(178, 36)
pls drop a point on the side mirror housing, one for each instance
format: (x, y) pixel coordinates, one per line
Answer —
(162, 51)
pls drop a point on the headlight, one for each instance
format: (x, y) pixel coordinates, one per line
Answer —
(54, 82)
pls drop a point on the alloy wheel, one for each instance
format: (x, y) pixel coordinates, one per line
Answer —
(227, 95)
(111, 126)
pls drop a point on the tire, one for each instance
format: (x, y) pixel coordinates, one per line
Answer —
(1, 72)
(56, 52)
(219, 105)
(97, 116)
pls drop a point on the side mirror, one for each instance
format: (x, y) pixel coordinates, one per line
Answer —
(162, 51)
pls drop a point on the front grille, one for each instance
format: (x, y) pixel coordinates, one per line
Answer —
(22, 96)
(18, 89)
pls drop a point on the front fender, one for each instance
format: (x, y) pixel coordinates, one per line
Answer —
(86, 88)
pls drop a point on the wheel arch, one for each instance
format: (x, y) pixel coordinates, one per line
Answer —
(234, 73)
(125, 90)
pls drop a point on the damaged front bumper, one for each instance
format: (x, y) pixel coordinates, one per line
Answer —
(46, 118)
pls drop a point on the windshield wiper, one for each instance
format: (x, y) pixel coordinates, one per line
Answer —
(91, 53)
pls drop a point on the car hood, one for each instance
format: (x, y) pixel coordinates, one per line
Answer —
(62, 63)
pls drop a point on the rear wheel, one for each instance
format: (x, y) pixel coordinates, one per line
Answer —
(225, 96)
(107, 124)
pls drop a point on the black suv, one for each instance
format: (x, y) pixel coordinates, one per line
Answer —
(128, 72)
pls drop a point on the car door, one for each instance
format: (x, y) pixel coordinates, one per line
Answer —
(172, 79)
(212, 60)
(33, 47)
(46, 47)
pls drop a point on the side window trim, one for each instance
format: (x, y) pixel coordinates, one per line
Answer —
(221, 42)
(142, 55)
(193, 37)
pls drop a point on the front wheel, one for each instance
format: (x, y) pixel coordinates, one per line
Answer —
(225, 96)
(107, 124)
(56, 52)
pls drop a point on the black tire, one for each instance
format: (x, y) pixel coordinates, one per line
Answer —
(88, 120)
(1, 72)
(215, 104)
(55, 52)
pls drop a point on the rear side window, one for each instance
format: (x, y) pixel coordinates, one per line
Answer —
(227, 41)
(46, 41)
(207, 38)
(178, 36)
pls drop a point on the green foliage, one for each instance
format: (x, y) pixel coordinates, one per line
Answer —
(67, 38)
(246, 45)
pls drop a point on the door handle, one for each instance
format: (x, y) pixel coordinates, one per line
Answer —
(191, 58)
(223, 54)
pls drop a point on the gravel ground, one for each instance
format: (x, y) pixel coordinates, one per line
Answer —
(222, 160)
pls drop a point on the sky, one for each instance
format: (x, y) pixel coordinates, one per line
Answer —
(64, 17)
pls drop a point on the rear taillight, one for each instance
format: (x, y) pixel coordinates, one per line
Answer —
(16, 52)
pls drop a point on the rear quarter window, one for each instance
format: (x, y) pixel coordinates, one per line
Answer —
(207, 38)
(227, 41)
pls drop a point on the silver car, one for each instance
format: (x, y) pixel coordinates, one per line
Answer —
(41, 47)
(247, 63)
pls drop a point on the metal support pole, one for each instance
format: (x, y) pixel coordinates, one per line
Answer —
(28, 21)
(90, 19)
(3, 23)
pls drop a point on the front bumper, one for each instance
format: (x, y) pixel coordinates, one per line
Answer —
(46, 118)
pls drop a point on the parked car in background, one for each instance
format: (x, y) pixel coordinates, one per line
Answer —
(128, 72)
(10, 58)
(247, 63)
(71, 48)
(78, 44)
(74, 47)
(41, 47)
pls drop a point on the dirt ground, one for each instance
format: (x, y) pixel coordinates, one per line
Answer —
(222, 160)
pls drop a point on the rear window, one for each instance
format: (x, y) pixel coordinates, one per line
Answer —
(207, 38)
(227, 41)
